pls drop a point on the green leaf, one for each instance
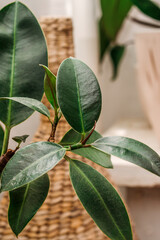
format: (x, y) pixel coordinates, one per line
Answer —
(114, 13)
(78, 94)
(130, 150)
(104, 41)
(73, 137)
(30, 163)
(116, 54)
(20, 139)
(101, 201)
(50, 87)
(95, 155)
(30, 103)
(25, 202)
(148, 7)
(1, 137)
(22, 48)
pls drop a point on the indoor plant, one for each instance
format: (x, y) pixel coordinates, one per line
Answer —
(76, 93)
(114, 14)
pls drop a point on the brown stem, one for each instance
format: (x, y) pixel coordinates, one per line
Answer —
(147, 24)
(6, 157)
(53, 131)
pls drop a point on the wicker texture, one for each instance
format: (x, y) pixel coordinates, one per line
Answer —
(62, 216)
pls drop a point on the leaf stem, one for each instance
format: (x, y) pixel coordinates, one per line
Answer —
(85, 140)
(5, 140)
(76, 146)
(67, 158)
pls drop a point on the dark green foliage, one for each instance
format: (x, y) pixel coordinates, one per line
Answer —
(75, 94)
(31, 104)
(22, 48)
(50, 87)
(130, 150)
(20, 139)
(25, 202)
(40, 157)
(114, 13)
(73, 137)
(80, 94)
(101, 201)
(148, 7)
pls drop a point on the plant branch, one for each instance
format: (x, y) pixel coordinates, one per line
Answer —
(54, 127)
(6, 157)
(5, 140)
(144, 23)
(67, 158)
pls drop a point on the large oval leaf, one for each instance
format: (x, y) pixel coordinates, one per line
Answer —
(22, 48)
(29, 163)
(25, 202)
(30, 103)
(79, 94)
(1, 138)
(148, 7)
(132, 151)
(101, 201)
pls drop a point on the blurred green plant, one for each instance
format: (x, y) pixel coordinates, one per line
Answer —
(76, 94)
(114, 13)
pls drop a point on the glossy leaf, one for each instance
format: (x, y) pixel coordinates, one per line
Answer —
(20, 139)
(30, 163)
(78, 95)
(73, 137)
(1, 138)
(148, 7)
(50, 87)
(132, 151)
(22, 48)
(114, 13)
(101, 201)
(30, 103)
(25, 202)
(116, 54)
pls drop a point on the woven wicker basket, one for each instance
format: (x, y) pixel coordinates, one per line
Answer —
(62, 216)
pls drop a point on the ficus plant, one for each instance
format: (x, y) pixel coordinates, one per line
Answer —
(76, 94)
(114, 14)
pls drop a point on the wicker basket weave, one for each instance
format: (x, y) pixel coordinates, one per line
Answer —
(62, 216)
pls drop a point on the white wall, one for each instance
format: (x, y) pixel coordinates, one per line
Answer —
(46, 7)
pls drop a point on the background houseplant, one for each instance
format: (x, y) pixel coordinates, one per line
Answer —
(78, 96)
(114, 14)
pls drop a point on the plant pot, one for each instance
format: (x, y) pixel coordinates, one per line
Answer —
(148, 57)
